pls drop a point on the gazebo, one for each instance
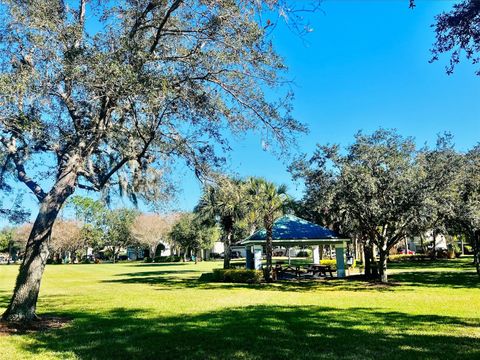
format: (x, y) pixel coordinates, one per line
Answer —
(289, 231)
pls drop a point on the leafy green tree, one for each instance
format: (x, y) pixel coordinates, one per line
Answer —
(441, 166)
(192, 234)
(466, 217)
(224, 202)
(7, 236)
(380, 188)
(115, 104)
(91, 213)
(118, 230)
(269, 202)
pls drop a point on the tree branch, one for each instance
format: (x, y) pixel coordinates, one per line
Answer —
(23, 177)
(169, 12)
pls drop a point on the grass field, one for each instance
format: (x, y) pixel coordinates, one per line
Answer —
(160, 311)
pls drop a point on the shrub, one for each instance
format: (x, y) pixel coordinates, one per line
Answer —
(328, 262)
(468, 250)
(234, 276)
(403, 257)
(304, 253)
(162, 259)
(148, 259)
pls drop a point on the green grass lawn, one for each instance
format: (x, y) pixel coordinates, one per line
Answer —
(160, 311)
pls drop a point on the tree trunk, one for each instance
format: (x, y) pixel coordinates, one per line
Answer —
(476, 250)
(434, 235)
(269, 251)
(367, 249)
(22, 306)
(227, 250)
(382, 264)
(9, 252)
(113, 253)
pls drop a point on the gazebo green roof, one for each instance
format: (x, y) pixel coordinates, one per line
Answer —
(292, 230)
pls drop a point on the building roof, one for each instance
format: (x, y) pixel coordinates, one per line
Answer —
(291, 230)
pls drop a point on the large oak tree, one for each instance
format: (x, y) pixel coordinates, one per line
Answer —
(99, 94)
(377, 188)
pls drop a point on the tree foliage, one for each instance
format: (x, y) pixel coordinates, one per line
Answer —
(67, 237)
(458, 33)
(150, 230)
(192, 234)
(224, 202)
(377, 189)
(268, 202)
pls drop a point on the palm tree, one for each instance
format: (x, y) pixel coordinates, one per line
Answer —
(224, 202)
(270, 202)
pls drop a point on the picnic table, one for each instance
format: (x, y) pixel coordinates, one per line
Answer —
(289, 269)
(280, 270)
(319, 269)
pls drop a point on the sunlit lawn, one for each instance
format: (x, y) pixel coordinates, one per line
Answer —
(160, 311)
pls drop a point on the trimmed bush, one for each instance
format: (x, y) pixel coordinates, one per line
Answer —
(304, 253)
(162, 259)
(234, 276)
(327, 262)
(148, 259)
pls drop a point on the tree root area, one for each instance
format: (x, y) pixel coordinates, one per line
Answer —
(44, 323)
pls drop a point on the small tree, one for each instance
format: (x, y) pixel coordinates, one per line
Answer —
(66, 238)
(118, 230)
(192, 234)
(224, 202)
(91, 214)
(151, 230)
(7, 241)
(269, 201)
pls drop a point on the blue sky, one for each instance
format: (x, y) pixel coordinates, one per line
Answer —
(364, 66)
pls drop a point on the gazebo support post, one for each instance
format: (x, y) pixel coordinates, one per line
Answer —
(248, 258)
(340, 259)
(257, 257)
(316, 254)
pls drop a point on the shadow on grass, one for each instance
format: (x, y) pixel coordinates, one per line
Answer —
(4, 300)
(464, 263)
(177, 278)
(166, 277)
(261, 332)
(453, 279)
(160, 264)
(172, 279)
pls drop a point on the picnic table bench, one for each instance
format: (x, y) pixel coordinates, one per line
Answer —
(289, 269)
(319, 269)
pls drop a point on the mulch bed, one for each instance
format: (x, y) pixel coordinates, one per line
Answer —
(42, 324)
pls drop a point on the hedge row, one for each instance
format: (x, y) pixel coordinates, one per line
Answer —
(162, 259)
(233, 276)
